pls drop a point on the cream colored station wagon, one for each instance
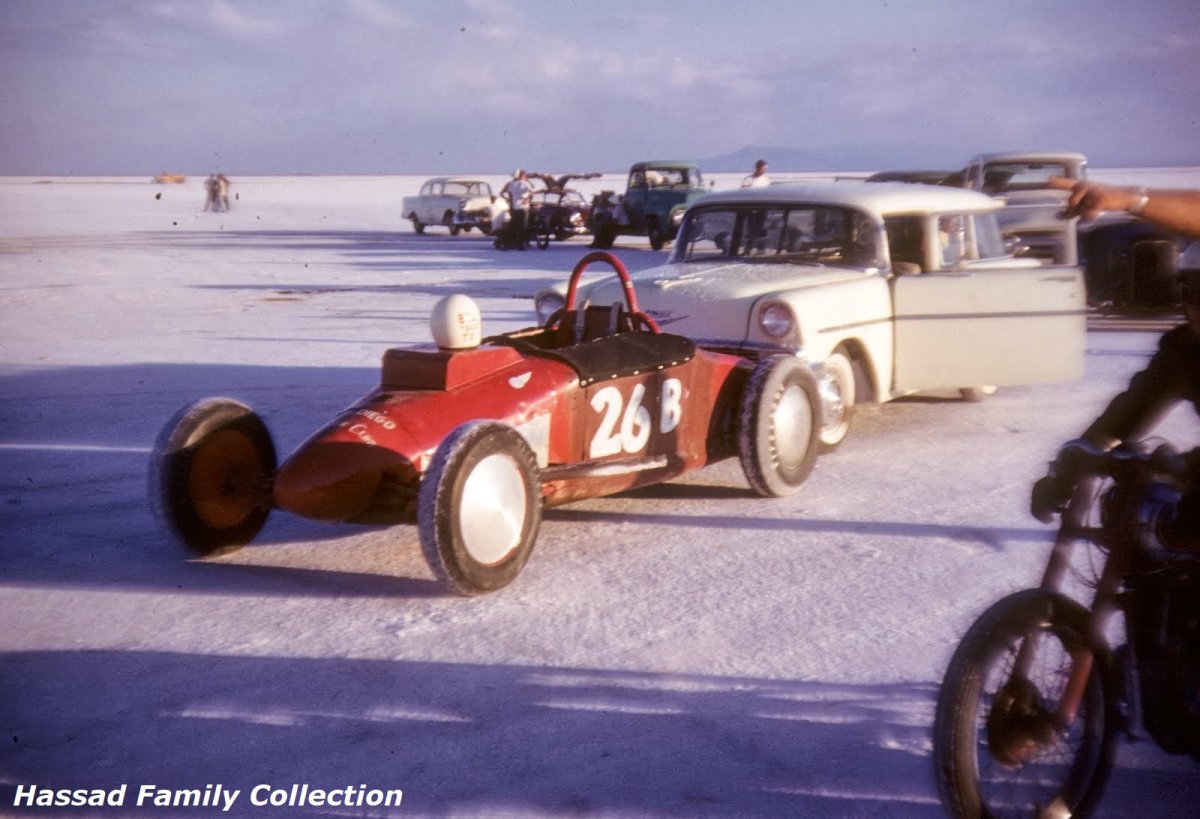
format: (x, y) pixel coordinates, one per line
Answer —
(885, 289)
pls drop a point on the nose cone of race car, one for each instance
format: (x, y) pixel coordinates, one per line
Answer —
(332, 480)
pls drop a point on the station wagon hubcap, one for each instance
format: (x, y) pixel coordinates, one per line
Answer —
(492, 513)
(832, 405)
(792, 422)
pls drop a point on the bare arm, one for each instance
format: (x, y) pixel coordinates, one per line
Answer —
(1175, 210)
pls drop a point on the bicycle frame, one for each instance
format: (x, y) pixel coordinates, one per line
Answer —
(1072, 529)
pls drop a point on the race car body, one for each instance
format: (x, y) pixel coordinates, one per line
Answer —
(636, 408)
(469, 438)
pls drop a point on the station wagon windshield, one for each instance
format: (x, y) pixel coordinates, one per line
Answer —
(814, 234)
(1018, 176)
(666, 178)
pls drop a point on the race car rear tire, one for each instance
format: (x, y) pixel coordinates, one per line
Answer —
(210, 476)
(779, 426)
(479, 507)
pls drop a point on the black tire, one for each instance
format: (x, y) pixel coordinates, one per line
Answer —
(416, 223)
(479, 507)
(654, 233)
(838, 396)
(604, 235)
(210, 476)
(996, 747)
(779, 423)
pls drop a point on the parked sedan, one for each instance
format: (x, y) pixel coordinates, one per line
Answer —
(884, 288)
(456, 203)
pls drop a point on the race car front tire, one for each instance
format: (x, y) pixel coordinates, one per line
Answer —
(210, 476)
(479, 507)
(779, 426)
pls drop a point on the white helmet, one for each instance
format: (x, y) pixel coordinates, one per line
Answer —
(455, 323)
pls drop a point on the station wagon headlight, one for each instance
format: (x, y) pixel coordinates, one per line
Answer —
(547, 304)
(776, 320)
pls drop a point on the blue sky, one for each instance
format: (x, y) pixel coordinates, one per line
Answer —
(480, 86)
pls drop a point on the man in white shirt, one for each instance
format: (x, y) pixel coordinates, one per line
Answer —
(519, 193)
(759, 178)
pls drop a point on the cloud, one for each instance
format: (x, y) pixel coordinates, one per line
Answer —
(233, 21)
(376, 13)
(226, 18)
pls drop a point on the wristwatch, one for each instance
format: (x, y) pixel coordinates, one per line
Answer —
(1140, 199)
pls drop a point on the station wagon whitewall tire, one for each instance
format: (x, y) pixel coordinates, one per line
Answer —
(479, 507)
(779, 424)
(210, 476)
(977, 394)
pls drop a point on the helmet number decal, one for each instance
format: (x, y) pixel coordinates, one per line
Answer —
(625, 426)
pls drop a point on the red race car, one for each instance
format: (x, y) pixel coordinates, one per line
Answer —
(470, 438)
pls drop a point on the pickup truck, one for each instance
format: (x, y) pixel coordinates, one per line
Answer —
(656, 195)
(1030, 216)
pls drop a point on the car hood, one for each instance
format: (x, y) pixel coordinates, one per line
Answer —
(713, 302)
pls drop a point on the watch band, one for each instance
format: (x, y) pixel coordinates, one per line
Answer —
(1141, 198)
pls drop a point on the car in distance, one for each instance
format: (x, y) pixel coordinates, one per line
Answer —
(915, 177)
(885, 288)
(1031, 208)
(457, 203)
(656, 194)
(561, 212)
(469, 438)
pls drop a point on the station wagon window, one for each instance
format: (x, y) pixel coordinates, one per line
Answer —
(467, 189)
(817, 234)
(968, 237)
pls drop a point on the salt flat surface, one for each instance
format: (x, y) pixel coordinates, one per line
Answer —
(683, 650)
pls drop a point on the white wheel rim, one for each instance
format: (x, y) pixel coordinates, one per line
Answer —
(837, 391)
(491, 512)
(792, 423)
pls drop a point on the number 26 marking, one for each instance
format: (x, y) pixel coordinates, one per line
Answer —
(626, 427)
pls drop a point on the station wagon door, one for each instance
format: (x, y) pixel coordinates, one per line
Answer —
(991, 326)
